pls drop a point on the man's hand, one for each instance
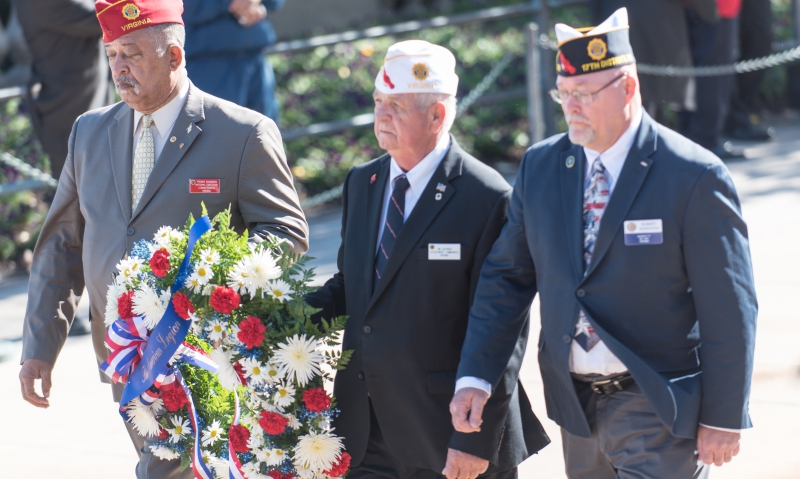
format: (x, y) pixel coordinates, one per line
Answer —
(33, 369)
(248, 12)
(715, 446)
(240, 7)
(466, 409)
(461, 465)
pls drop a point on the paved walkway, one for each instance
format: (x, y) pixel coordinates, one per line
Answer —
(81, 435)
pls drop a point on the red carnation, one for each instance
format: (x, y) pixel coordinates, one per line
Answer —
(251, 332)
(273, 423)
(159, 263)
(237, 366)
(174, 397)
(316, 399)
(183, 307)
(238, 436)
(125, 305)
(162, 433)
(224, 300)
(340, 467)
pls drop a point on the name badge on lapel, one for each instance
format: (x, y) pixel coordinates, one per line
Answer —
(643, 232)
(444, 251)
(204, 185)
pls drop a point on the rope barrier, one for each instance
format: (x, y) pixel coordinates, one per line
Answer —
(39, 177)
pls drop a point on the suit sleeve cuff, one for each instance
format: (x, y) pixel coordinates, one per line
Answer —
(473, 382)
(704, 425)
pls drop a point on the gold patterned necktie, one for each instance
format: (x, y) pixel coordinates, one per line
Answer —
(143, 161)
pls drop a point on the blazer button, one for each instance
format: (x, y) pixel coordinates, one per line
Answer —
(131, 231)
(581, 293)
(566, 338)
(367, 329)
(361, 376)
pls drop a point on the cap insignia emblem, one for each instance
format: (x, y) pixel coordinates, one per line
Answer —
(387, 80)
(597, 49)
(420, 71)
(130, 11)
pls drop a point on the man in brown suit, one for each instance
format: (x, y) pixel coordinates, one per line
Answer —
(138, 165)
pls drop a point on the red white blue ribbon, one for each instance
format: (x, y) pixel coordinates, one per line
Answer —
(199, 466)
(234, 465)
(127, 340)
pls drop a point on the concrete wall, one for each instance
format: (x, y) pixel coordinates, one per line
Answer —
(305, 18)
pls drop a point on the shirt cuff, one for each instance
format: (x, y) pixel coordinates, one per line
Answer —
(704, 425)
(473, 382)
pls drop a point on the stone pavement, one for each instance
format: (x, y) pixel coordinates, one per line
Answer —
(82, 436)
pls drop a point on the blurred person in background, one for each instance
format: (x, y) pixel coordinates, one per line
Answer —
(712, 43)
(15, 59)
(225, 44)
(755, 40)
(69, 76)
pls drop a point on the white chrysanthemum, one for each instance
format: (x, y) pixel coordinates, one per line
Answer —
(180, 428)
(279, 290)
(240, 279)
(318, 452)
(262, 268)
(225, 372)
(305, 471)
(283, 395)
(255, 371)
(202, 273)
(216, 329)
(143, 417)
(163, 452)
(294, 423)
(150, 305)
(299, 359)
(209, 256)
(220, 467)
(129, 268)
(212, 434)
(115, 290)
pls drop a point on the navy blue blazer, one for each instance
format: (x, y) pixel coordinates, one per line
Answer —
(681, 315)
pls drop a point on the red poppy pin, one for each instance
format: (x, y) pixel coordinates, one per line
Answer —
(373, 178)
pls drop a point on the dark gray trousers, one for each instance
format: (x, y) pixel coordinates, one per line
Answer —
(628, 441)
(151, 467)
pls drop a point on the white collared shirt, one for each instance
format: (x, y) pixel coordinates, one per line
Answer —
(163, 120)
(600, 360)
(418, 178)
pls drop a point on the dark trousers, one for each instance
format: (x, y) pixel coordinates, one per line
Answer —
(380, 463)
(712, 44)
(755, 40)
(246, 79)
(151, 467)
(628, 441)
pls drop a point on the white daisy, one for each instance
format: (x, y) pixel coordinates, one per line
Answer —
(150, 305)
(299, 359)
(256, 441)
(274, 373)
(225, 372)
(162, 236)
(263, 267)
(254, 370)
(317, 452)
(252, 470)
(208, 289)
(232, 339)
(163, 452)
(143, 417)
(115, 290)
(129, 268)
(202, 273)
(216, 329)
(279, 290)
(283, 395)
(180, 428)
(212, 434)
(209, 256)
(304, 471)
(193, 284)
(240, 279)
(294, 423)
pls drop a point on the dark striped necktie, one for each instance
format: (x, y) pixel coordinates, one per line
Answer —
(395, 215)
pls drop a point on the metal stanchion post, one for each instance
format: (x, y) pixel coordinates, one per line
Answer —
(547, 62)
(533, 64)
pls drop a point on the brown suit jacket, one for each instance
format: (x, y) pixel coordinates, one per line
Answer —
(90, 226)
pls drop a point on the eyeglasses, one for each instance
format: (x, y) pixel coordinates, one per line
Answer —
(584, 98)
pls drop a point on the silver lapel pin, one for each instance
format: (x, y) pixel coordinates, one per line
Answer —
(189, 128)
(438, 196)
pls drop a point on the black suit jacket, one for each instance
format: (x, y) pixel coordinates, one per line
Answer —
(407, 336)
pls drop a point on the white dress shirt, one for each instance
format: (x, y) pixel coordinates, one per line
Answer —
(600, 360)
(418, 178)
(163, 120)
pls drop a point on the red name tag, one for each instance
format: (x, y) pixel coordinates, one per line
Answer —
(204, 185)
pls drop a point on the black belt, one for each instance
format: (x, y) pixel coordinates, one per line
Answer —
(609, 386)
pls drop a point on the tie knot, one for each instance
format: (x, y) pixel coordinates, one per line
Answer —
(401, 183)
(147, 121)
(597, 166)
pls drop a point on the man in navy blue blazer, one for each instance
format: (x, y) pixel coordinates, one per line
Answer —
(633, 237)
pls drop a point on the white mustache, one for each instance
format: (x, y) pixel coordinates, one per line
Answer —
(124, 79)
(570, 117)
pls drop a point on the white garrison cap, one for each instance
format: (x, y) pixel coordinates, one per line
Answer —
(617, 20)
(416, 66)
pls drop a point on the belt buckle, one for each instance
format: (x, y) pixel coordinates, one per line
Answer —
(598, 388)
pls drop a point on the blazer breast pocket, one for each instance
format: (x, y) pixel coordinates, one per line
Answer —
(206, 186)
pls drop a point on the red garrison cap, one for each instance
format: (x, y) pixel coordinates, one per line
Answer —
(118, 18)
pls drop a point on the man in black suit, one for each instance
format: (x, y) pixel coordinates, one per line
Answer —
(416, 227)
